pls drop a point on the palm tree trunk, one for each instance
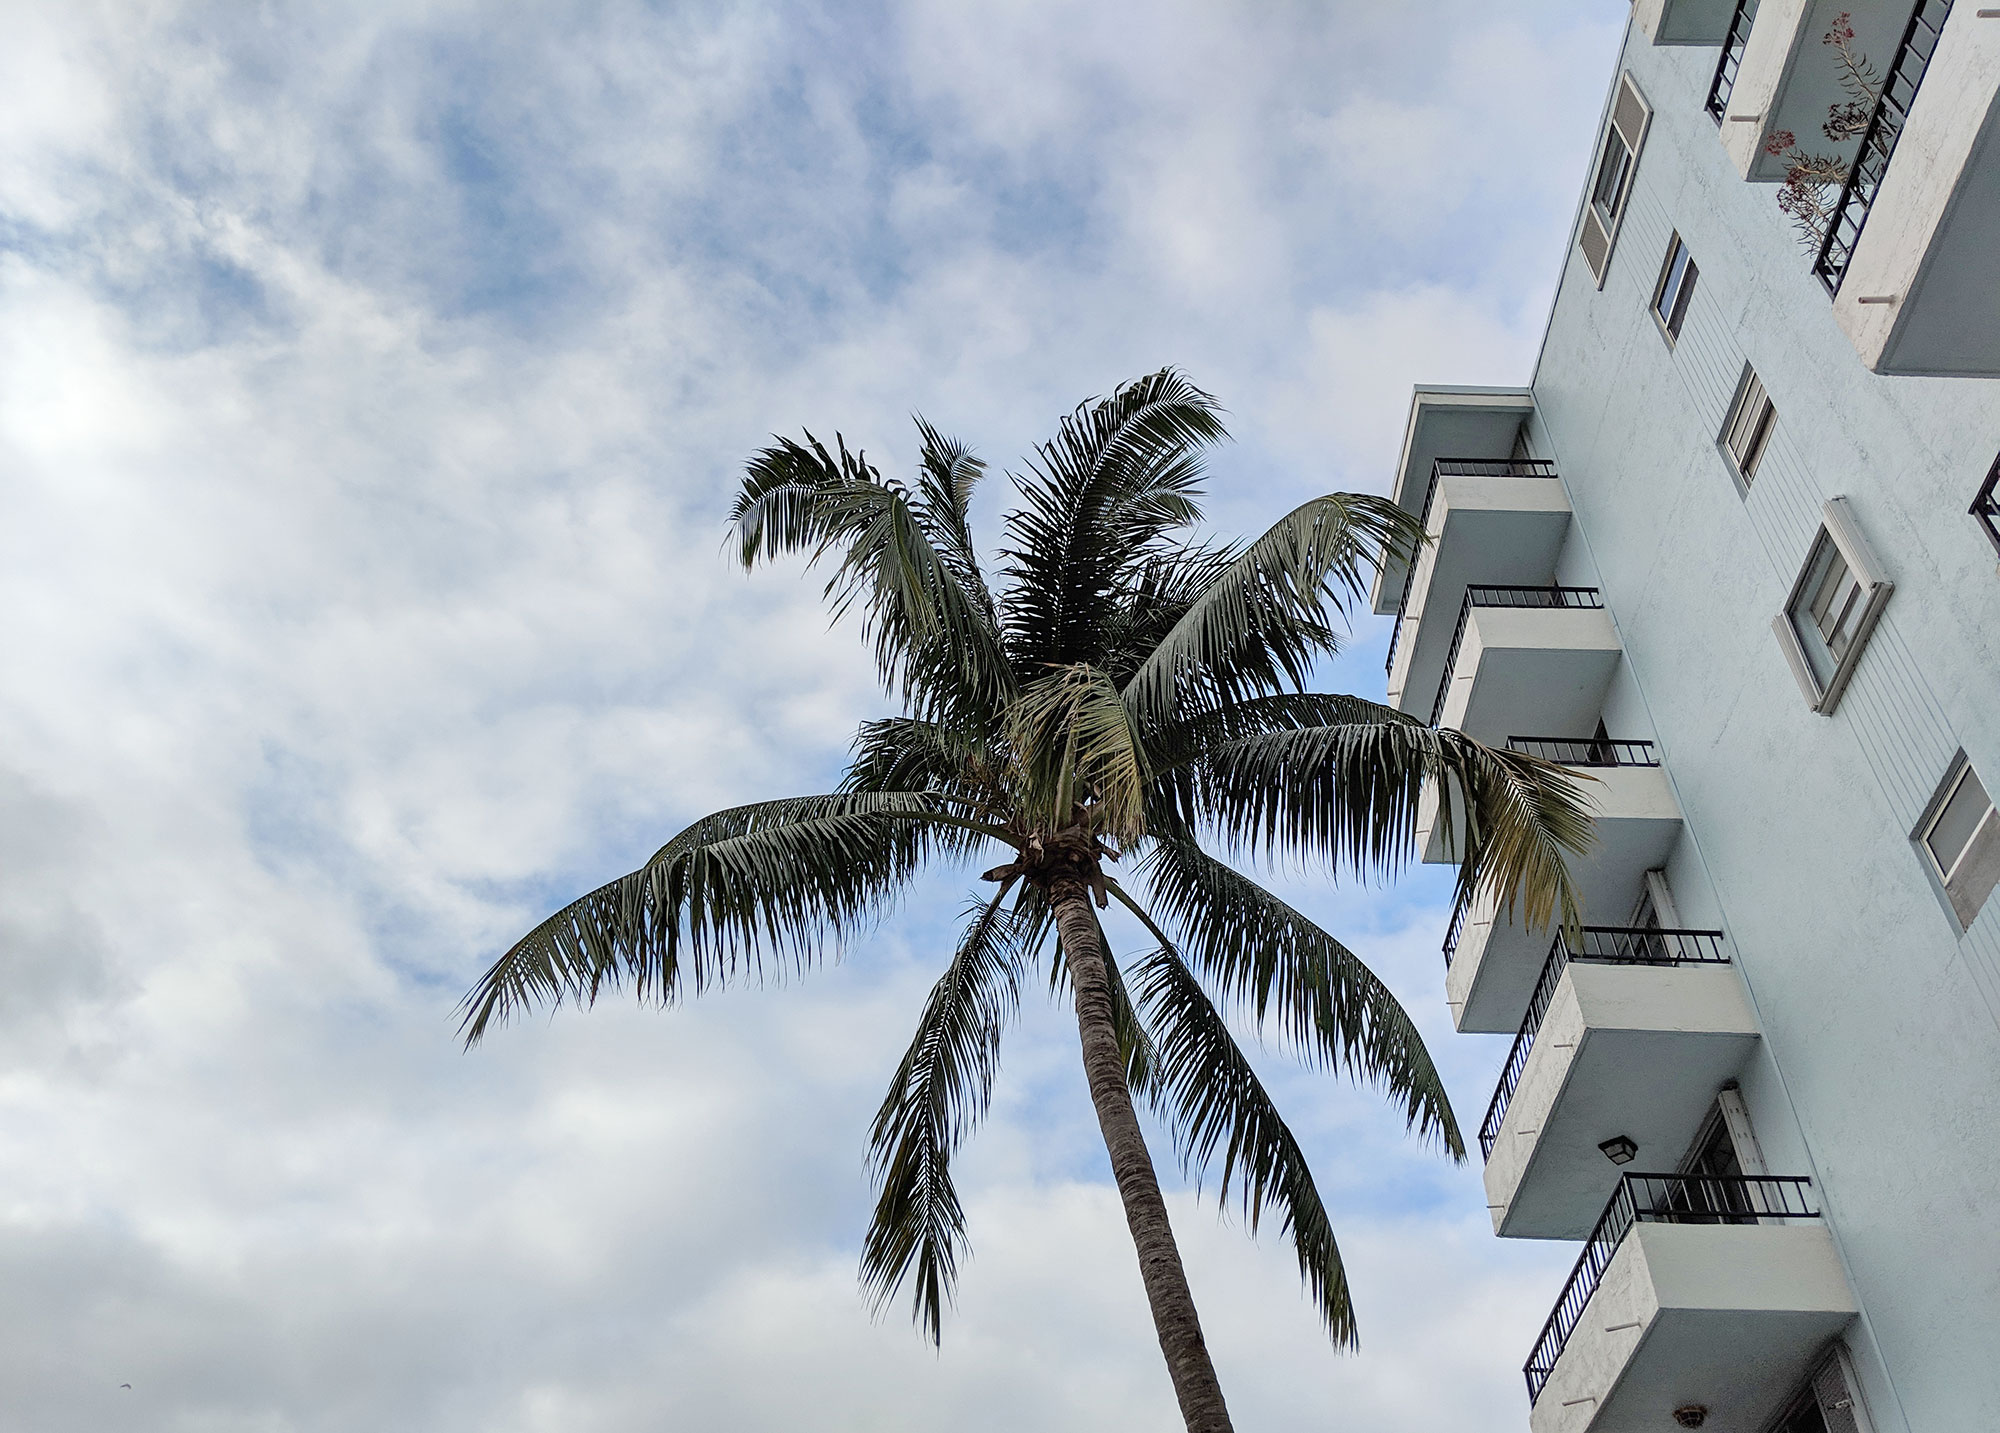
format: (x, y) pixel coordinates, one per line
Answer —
(1174, 1316)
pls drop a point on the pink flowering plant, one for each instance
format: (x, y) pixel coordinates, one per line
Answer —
(1813, 182)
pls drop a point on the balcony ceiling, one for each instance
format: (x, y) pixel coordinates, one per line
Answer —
(1929, 241)
(1487, 530)
(1449, 422)
(1684, 22)
(1635, 1050)
(1530, 671)
(1725, 1316)
(1788, 79)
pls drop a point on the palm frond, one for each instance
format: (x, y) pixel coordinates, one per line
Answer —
(948, 471)
(1213, 1101)
(777, 877)
(1121, 475)
(1262, 621)
(936, 638)
(1074, 745)
(941, 1089)
(910, 754)
(1350, 793)
(1262, 954)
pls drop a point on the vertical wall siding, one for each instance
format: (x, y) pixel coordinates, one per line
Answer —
(1895, 719)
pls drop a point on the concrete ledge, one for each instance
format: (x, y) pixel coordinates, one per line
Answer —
(1723, 1315)
(1530, 671)
(1637, 1050)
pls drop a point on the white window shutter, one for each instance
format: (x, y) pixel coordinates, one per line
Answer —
(1595, 243)
(1630, 114)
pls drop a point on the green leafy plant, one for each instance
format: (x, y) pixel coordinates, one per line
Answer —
(1126, 695)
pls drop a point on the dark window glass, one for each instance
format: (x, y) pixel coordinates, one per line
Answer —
(1612, 170)
(1677, 280)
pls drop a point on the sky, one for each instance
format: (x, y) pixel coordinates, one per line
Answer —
(373, 382)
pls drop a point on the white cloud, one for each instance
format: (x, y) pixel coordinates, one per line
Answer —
(370, 392)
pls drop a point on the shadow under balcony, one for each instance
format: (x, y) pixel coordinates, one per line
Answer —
(1629, 1032)
(1693, 1290)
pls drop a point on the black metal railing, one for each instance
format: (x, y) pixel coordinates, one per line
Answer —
(1505, 597)
(1986, 505)
(1456, 468)
(1453, 931)
(1661, 1199)
(1600, 945)
(1878, 141)
(1585, 751)
(1731, 59)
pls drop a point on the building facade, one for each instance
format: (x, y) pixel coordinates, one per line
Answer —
(1732, 555)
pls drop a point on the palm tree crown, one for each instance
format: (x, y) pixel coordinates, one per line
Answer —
(1127, 696)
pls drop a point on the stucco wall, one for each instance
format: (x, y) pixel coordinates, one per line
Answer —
(1880, 1069)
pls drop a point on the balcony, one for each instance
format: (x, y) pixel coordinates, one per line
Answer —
(1629, 1032)
(1908, 254)
(1525, 657)
(1683, 22)
(1705, 1290)
(1453, 423)
(1492, 959)
(1494, 520)
(1786, 79)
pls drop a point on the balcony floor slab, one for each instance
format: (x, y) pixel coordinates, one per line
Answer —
(1724, 1316)
(1531, 670)
(1637, 1050)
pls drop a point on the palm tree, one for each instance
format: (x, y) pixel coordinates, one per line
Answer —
(1126, 692)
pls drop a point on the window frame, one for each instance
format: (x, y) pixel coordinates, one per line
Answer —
(1626, 124)
(1672, 321)
(1837, 527)
(1744, 468)
(1957, 771)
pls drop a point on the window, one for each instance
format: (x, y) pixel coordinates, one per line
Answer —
(1834, 605)
(1829, 1403)
(1748, 432)
(1676, 287)
(1614, 167)
(1961, 837)
(1715, 1193)
(1611, 178)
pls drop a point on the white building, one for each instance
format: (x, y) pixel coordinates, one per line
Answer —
(1719, 556)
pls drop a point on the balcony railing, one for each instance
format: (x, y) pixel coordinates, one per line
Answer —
(1732, 58)
(1878, 141)
(1457, 468)
(1588, 751)
(1661, 1199)
(1596, 944)
(1986, 505)
(1454, 930)
(1505, 597)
